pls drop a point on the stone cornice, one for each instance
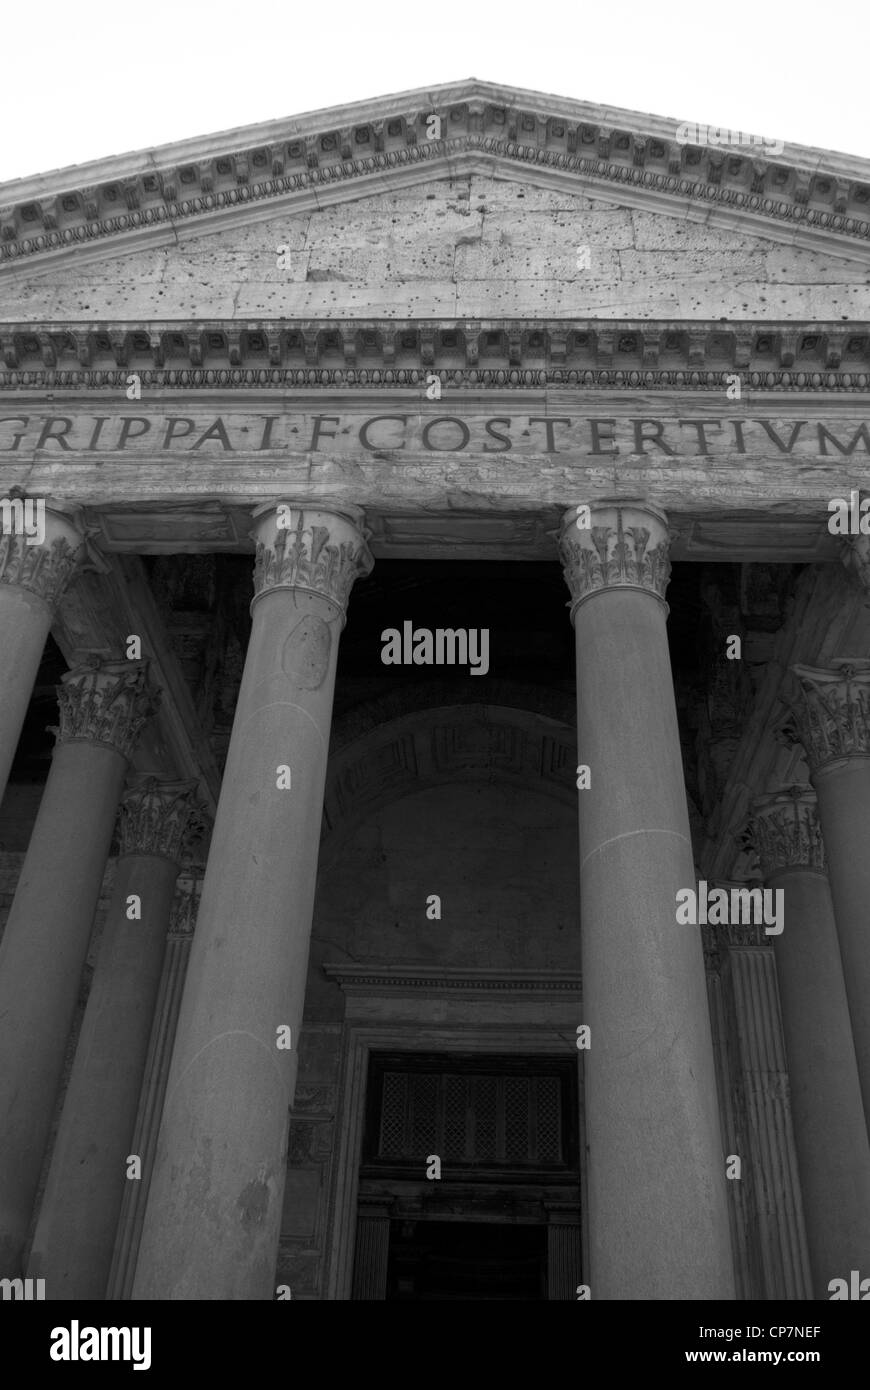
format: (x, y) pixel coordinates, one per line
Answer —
(812, 196)
(469, 354)
(386, 979)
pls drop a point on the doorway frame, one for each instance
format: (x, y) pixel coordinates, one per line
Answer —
(468, 1011)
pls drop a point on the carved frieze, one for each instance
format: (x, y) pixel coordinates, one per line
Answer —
(786, 833)
(105, 702)
(625, 547)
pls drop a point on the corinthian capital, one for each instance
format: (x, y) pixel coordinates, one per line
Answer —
(45, 562)
(833, 711)
(105, 702)
(786, 832)
(625, 547)
(159, 818)
(310, 549)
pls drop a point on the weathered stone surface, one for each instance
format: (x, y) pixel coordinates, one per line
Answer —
(477, 245)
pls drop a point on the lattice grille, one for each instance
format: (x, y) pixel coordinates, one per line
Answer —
(455, 1116)
(485, 1119)
(471, 1118)
(424, 1113)
(393, 1111)
(516, 1118)
(549, 1119)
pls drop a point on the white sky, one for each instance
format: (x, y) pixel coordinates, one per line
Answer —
(84, 80)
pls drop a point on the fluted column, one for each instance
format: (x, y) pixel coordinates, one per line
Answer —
(213, 1216)
(658, 1220)
(33, 576)
(833, 719)
(769, 1167)
(181, 927)
(830, 1133)
(372, 1252)
(102, 709)
(75, 1234)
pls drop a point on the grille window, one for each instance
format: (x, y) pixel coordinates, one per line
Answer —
(510, 1115)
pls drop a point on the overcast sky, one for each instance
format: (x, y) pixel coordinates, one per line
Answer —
(84, 80)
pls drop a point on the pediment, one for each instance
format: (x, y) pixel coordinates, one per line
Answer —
(476, 134)
(478, 245)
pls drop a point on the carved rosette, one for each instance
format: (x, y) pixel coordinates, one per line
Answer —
(185, 906)
(833, 712)
(106, 702)
(44, 569)
(159, 818)
(786, 833)
(626, 547)
(320, 551)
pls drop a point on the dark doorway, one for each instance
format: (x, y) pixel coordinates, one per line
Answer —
(438, 1260)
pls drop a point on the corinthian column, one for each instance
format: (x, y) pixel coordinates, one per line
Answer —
(213, 1216)
(833, 720)
(102, 709)
(33, 576)
(658, 1220)
(75, 1233)
(830, 1134)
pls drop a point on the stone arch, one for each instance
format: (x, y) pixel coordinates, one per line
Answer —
(445, 731)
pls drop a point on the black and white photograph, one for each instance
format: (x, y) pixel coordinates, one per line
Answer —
(434, 680)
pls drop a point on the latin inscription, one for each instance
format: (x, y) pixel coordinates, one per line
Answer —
(395, 435)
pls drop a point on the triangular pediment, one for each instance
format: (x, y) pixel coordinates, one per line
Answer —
(475, 246)
(726, 185)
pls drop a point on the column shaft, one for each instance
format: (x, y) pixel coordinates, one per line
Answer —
(213, 1217)
(834, 725)
(770, 1175)
(658, 1218)
(844, 811)
(46, 937)
(831, 1137)
(144, 1142)
(75, 1234)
